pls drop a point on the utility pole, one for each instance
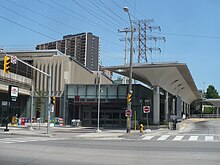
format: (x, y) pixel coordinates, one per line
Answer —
(126, 30)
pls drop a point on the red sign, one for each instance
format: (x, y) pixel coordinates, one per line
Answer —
(146, 109)
(128, 113)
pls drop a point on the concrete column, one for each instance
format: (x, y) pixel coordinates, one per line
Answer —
(189, 110)
(174, 106)
(156, 112)
(185, 108)
(182, 110)
(166, 105)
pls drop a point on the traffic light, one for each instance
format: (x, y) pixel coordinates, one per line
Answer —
(7, 61)
(129, 98)
(53, 100)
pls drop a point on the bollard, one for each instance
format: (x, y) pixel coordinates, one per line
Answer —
(6, 129)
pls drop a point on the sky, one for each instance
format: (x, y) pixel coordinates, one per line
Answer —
(191, 29)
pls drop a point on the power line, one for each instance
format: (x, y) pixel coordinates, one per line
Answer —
(112, 11)
(44, 16)
(190, 35)
(104, 11)
(135, 9)
(120, 7)
(32, 20)
(28, 28)
(95, 24)
(93, 13)
(85, 18)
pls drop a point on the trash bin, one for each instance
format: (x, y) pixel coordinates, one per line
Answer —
(56, 121)
(172, 122)
(61, 122)
(22, 121)
(77, 123)
(73, 122)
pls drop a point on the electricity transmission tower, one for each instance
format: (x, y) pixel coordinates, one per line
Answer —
(141, 38)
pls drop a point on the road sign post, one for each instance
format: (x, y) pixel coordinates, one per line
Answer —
(128, 113)
(146, 110)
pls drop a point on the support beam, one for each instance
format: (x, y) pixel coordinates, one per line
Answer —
(156, 112)
(166, 105)
(174, 106)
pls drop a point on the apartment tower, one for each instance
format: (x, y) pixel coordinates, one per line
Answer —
(84, 47)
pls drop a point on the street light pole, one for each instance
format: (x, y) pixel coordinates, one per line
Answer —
(99, 88)
(130, 73)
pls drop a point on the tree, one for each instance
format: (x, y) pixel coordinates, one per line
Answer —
(211, 92)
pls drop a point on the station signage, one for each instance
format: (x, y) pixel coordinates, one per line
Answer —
(13, 92)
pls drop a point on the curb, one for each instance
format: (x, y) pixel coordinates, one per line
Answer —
(26, 134)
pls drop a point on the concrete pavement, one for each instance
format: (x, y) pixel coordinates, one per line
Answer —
(89, 132)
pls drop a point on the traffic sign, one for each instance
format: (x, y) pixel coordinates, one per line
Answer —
(128, 113)
(146, 109)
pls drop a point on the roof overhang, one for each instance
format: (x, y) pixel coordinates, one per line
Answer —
(172, 77)
(214, 102)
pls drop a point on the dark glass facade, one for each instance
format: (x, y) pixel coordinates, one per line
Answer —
(81, 102)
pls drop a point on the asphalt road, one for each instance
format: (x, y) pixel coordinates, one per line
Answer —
(206, 127)
(21, 150)
(92, 152)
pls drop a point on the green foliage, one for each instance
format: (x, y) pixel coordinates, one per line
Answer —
(211, 92)
(208, 110)
(38, 104)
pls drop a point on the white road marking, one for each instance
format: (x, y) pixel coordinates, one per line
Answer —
(164, 137)
(147, 137)
(209, 138)
(178, 138)
(193, 138)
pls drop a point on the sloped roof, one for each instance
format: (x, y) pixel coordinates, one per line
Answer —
(172, 77)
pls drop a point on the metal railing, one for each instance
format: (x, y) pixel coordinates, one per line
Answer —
(15, 78)
(205, 116)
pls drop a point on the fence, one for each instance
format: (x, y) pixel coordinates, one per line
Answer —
(205, 116)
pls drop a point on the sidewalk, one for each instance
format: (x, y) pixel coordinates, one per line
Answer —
(90, 132)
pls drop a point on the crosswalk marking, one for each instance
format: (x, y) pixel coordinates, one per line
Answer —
(193, 138)
(209, 138)
(178, 138)
(148, 137)
(164, 137)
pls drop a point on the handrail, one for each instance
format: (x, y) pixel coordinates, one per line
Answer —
(205, 116)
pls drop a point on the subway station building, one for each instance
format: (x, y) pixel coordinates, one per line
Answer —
(168, 88)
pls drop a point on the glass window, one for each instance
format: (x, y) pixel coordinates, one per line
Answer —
(108, 115)
(82, 91)
(72, 90)
(103, 92)
(112, 92)
(91, 91)
(94, 115)
(115, 115)
(102, 115)
(123, 115)
(86, 115)
(122, 90)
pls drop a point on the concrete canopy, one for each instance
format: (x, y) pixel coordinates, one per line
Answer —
(175, 78)
(214, 102)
